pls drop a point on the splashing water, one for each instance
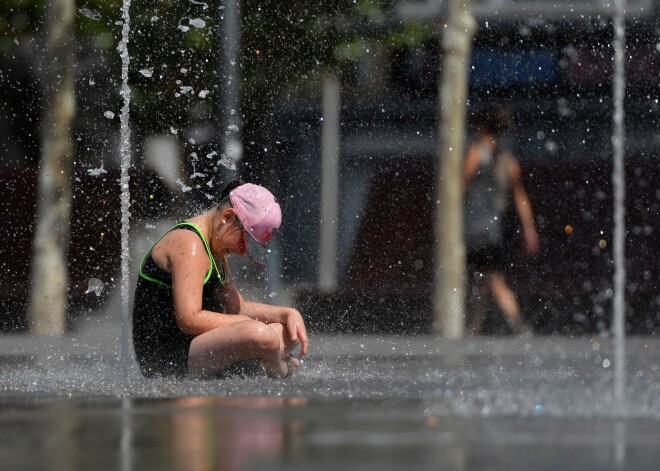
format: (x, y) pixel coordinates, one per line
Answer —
(95, 172)
(197, 23)
(184, 188)
(94, 285)
(203, 5)
(91, 14)
(227, 162)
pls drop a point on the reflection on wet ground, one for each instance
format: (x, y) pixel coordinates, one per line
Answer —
(220, 433)
(357, 403)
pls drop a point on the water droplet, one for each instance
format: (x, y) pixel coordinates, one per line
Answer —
(94, 285)
(91, 14)
(197, 23)
(184, 188)
(204, 5)
(95, 172)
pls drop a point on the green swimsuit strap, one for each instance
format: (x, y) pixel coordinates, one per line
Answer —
(221, 275)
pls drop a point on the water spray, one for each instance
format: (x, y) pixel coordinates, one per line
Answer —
(618, 180)
(125, 153)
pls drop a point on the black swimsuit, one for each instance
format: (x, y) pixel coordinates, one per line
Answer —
(160, 346)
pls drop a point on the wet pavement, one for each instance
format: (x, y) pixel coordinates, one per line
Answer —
(358, 402)
(297, 433)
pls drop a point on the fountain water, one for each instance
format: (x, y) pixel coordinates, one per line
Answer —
(125, 151)
(465, 382)
(618, 143)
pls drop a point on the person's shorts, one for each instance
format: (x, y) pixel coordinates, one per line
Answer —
(487, 259)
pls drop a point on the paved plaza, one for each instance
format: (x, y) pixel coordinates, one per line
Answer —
(358, 402)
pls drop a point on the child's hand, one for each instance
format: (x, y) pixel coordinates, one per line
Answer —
(296, 330)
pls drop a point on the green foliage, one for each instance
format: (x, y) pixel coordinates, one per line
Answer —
(371, 9)
(352, 49)
(411, 34)
(175, 58)
(284, 41)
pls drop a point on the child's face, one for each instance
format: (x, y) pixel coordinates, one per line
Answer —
(235, 237)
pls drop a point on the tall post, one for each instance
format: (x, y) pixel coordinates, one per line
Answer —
(449, 292)
(329, 230)
(48, 298)
(230, 132)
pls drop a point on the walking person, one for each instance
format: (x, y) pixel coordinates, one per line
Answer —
(492, 182)
(189, 317)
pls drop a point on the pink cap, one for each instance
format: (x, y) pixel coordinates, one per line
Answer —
(258, 211)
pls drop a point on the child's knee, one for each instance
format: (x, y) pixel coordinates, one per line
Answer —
(264, 337)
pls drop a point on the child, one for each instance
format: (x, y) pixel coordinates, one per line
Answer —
(188, 315)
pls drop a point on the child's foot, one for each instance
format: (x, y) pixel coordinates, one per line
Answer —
(283, 370)
(292, 363)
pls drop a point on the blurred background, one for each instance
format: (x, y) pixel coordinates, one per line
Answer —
(222, 89)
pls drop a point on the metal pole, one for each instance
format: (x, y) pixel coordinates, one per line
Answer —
(329, 185)
(230, 131)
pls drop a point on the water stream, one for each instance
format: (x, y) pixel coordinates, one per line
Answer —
(618, 178)
(125, 152)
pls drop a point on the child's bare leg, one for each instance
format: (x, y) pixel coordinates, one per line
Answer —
(219, 348)
(282, 365)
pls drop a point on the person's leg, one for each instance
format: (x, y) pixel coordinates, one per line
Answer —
(477, 290)
(284, 361)
(476, 303)
(506, 301)
(219, 348)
